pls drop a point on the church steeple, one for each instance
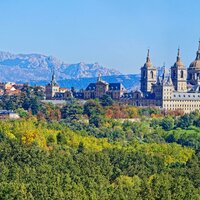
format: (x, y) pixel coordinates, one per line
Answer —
(179, 74)
(148, 75)
(198, 52)
(178, 55)
(52, 88)
(53, 78)
(148, 63)
(148, 56)
(164, 72)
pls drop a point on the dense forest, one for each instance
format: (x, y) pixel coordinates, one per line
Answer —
(98, 149)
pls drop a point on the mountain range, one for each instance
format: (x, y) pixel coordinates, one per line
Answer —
(37, 69)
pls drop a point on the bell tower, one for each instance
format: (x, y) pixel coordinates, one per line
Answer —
(179, 75)
(52, 88)
(148, 75)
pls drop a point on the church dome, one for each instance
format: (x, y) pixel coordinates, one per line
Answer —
(196, 63)
(178, 62)
(148, 63)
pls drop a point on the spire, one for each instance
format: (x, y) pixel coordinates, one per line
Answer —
(169, 80)
(53, 75)
(199, 45)
(53, 78)
(178, 62)
(158, 80)
(164, 71)
(198, 52)
(148, 63)
(148, 56)
(178, 55)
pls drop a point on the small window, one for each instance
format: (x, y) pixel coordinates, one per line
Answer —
(152, 75)
(182, 73)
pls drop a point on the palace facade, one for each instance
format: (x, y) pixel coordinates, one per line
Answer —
(179, 89)
(100, 88)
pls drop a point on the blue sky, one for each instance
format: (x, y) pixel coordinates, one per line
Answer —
(114, 33)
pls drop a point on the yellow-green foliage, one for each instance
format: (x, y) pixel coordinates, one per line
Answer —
(30, 130)
(127, 181)
(171, 153)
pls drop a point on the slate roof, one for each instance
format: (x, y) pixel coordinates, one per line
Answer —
(78, 95)
(116, 86)
(196, 89)
(111, 86)
(91, 86)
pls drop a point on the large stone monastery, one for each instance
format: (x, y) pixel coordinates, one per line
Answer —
(177, 89)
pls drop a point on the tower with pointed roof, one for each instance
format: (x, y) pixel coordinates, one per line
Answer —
(148, 75)
(179, 74)
(52, 88)
(194, 69)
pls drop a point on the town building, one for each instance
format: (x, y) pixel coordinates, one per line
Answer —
(10, 88)
(100, 88)
(175, 89)
(178, 89)
(54, 92)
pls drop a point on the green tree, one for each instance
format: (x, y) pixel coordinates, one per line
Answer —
(106, 100)
(92, 107)
(72, 111)
(22, 113)
(167, 123)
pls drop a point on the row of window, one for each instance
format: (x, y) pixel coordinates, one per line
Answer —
(188, 95)
(183, 105)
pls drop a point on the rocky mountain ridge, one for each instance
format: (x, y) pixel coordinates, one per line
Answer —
(37, 69)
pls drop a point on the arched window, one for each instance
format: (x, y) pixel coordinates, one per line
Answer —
(182, 73)
(151, 73)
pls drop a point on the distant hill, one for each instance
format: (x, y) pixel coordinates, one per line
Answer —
(37, 68)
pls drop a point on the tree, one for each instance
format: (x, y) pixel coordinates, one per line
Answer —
(184, 121)
(72, 111)
(96, 120)
(22, 113)
(80, 147)
(35, 105)
(106, 100)
(167, 123)
(92, 107)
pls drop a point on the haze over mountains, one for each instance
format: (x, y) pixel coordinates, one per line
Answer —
(37, 68)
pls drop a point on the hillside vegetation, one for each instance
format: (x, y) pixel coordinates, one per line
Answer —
(94, 151)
